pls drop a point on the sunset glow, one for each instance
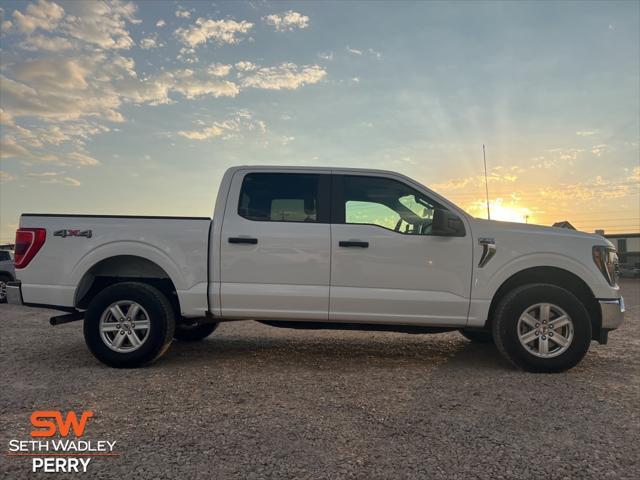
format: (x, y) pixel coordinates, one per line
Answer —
(139, 107)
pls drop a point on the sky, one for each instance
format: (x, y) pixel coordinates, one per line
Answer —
(139, 107)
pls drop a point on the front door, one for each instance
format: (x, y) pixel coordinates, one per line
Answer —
(275, 246)
(386, 265)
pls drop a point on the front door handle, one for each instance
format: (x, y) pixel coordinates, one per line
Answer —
(247, 240)
(353, 243)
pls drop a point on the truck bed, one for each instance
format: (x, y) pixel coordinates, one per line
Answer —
(75, 244)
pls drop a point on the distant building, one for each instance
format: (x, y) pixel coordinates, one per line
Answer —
(564, 224)
(628, 246)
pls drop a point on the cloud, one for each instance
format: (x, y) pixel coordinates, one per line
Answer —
(245, 66)
(81, 159)
(150, 42)
(219, 70)
(243, 120)
(287, 21)
(220, 31)
(47, 43)
(354, 51)
(326, 56)
(52, 74)
(42, 15)
(9, 148)
(287, 76)
(54, 178)
(598, 150)
(586, 133)
(6, 176)
(101, 24)
(183, 13)
(160, 23)
(599, 188)
(498, 174)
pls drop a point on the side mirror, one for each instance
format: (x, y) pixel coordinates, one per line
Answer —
(446, 224)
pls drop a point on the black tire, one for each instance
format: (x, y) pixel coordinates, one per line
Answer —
(161, 318)
(477, 336)
(193, 332)
(515, 303)
(4, 279)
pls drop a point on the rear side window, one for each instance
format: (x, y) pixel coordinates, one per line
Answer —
(284, 197)
(4, 255)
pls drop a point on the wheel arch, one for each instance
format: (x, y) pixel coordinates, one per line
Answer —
(553, 276)
(124, 268)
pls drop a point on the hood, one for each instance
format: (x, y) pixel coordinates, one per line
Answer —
(487, 226)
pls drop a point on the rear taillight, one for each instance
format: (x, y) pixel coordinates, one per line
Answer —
(28, 242)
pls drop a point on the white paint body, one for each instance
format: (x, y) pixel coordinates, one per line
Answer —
(297, 271)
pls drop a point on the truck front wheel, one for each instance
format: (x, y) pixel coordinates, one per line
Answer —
(129, 324)
(542, 328)
(193, 332)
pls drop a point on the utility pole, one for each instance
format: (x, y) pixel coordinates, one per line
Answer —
(486, 181)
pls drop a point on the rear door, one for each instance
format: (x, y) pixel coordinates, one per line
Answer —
(275, 246)
(386, 266)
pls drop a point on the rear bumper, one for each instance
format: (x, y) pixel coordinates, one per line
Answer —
(14, 293)
(612, 312)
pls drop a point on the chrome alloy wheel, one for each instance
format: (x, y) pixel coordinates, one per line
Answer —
(545, 330)
(124, 326)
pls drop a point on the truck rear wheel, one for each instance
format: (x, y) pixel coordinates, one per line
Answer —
(542, 328)
(129, 324)
(192, 332)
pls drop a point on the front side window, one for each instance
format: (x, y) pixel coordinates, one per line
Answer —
(388, 204)
(280, 197)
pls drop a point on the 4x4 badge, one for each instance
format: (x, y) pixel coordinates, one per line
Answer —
(73, 233)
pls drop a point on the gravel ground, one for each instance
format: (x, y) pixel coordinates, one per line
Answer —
(259, 402)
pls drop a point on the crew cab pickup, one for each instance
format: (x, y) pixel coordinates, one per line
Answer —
(320, 248)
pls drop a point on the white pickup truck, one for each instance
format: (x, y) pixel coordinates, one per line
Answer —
(320, 248)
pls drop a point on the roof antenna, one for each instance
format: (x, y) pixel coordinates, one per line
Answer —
(486, 182)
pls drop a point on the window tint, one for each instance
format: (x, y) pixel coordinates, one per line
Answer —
(4, 255)
(387, 203)
(280, 197)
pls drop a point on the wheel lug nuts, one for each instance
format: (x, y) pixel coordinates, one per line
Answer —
(543, 337)
(121, 332)
(133, 325)
(537, 332)
(537, 325)
(544, 321)
(117, 325)
(551, 334)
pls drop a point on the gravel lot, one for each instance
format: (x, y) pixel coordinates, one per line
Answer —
(259, 402)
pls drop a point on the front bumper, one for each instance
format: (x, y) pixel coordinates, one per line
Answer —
(14, 293)
(612, 313)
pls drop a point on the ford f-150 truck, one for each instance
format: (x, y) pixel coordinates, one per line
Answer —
(320, 248)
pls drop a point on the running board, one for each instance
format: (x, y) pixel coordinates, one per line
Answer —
(69, 317)
(366, 327)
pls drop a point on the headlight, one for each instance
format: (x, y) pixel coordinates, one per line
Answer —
(606, 258)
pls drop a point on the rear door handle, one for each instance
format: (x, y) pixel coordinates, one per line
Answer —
(247, 240)
(353, 243)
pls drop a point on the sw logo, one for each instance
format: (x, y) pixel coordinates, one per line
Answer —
(43, 419)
